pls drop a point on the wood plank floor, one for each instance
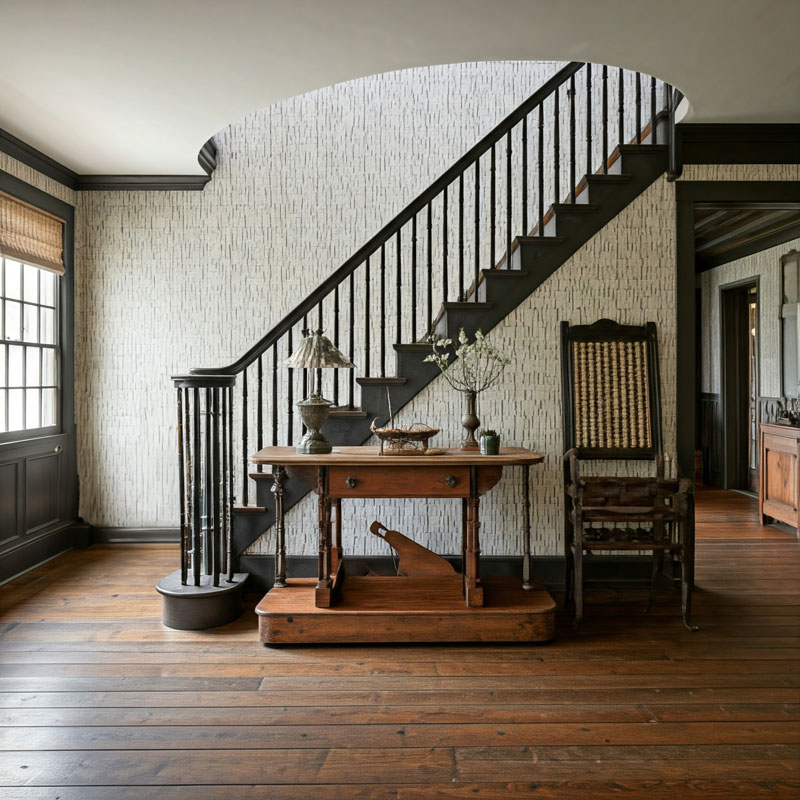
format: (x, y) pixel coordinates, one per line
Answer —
(98, 700)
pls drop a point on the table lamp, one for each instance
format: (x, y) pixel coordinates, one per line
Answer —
(316, 352)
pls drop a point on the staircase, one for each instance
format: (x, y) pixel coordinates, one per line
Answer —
(464, 253)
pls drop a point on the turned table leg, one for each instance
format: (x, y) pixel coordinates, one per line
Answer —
(336, 552)
(278, 479)
(474, 589)
(527, 584)
(322, 595)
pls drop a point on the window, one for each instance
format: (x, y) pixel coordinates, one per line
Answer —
(29, 348)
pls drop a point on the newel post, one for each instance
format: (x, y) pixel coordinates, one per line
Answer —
(205, 591)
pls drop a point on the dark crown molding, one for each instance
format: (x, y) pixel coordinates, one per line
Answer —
(31, 157)
(738, 143)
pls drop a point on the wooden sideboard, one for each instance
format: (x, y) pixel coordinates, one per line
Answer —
(337, 608)
(778, 487)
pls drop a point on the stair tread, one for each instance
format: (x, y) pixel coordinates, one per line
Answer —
(580, 208)
(249, 510)
(413, 346)
(619, 177)
(381, 381)
(261, 476)
(543, 240)
(505, 273)
(348, 413)
(639, 148)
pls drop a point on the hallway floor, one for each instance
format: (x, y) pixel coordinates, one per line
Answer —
(98, 701)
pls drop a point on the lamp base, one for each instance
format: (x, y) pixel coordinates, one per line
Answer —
(314, 443)
(314, 411)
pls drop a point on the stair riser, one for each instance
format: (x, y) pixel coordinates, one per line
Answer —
(495, 288)
(453, 320)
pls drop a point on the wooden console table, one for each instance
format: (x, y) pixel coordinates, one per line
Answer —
(384, 609)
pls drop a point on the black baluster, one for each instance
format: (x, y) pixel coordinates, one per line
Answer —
(461, 236)
(336, 342)
(605, 119)
(572, 138)
(540, 170)
(430, 270)
(556, 148)
(638, 108)
(477, 225)
(230, 559)
(290, 392)
(492, 210)
(318, 373)
(366, 317)
(621, 108)
(445, 277)
(197, 522)
(189, 475)
(352, 329)
(182, 486)
(223, 478)
(260, 409)
(209, 488)
(398, 334)
(525, 175)
(414, 278)
(245, 487)
(274, 394)
(187, 435)
(653, 123)
(509, 201)
(214, 489)
(383, 311)
(589, 167)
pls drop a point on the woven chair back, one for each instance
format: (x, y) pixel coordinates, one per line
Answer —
(610, 379)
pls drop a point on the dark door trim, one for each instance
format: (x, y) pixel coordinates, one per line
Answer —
(687, 194)
(734, 471)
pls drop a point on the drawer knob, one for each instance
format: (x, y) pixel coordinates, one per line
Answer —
(350, 482)
(451, 481)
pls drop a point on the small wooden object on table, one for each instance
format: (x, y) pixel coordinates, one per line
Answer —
(446, 608)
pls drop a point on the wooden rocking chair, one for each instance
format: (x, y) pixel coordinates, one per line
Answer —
(612, 411)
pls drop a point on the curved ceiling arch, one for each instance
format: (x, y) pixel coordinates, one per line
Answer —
(137, 88)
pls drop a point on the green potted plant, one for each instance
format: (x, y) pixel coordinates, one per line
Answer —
(490, 442)
(470, 368)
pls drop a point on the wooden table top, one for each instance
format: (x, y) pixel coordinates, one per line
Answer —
(370, 456)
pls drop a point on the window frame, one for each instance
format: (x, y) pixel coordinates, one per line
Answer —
(42, 430)
(65, 315)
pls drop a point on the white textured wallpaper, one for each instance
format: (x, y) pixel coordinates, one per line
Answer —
(166, 281)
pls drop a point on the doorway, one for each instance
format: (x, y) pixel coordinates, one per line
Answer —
(740, 397)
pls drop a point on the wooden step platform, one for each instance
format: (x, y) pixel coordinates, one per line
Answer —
(397, 609)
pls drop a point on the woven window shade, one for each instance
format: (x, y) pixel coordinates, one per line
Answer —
(31, 235)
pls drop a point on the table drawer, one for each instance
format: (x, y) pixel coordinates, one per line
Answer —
(398, 481)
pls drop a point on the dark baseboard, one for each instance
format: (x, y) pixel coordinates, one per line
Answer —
(34, 550)
(100, 535)
(613, 570)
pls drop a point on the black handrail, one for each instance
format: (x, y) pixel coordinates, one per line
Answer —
(390, 229)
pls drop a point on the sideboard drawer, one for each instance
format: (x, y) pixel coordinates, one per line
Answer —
(399, 481)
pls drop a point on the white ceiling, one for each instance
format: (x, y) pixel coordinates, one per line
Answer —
(137, 86)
